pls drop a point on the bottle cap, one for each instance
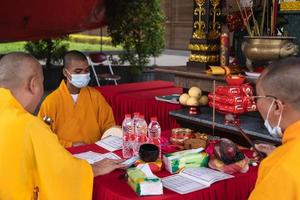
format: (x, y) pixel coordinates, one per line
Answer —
(153, 119)
(142, 116)
(136, 113)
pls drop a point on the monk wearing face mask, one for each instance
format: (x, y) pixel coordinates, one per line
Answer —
(78, 114)
(278, 102)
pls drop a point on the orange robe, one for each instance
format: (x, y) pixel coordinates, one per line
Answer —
(83, 121)
(279, 174)
(31, 157)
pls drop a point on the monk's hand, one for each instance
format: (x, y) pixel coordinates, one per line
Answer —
(106, 166)
(264, 148)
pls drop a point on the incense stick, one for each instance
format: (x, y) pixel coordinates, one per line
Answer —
(274, 16)
(263, 17)
(244, 19)
(255, 22)
(214, 107)
(268, 18)
(260, 154)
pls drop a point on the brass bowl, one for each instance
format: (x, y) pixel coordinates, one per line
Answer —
(268, 48)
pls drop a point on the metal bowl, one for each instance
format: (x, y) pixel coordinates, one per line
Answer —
(268, 48)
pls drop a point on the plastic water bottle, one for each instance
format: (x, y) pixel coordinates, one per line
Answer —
(154, 132)
(135, 118)
(140, 134)
(127, 129)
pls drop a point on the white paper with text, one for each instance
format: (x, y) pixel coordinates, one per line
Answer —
(111, 143)
(193, 179)
(92, 157)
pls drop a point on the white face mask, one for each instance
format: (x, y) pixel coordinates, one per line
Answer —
(79, 80)
(276, 131)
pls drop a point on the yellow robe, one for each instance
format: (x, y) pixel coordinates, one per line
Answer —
(279, 174)
(31, 156)
(83, 121)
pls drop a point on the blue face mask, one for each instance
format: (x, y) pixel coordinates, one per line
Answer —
(275, 131)
(79, 80)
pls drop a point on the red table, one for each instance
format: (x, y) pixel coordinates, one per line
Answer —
(110, 91)
(145, 103)
(114, 187)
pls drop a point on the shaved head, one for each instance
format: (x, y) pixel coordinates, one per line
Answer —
(22, 74)
(73, 56)
(282, 80)
(15, 68)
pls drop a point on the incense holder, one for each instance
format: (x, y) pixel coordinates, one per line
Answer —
(268, 48)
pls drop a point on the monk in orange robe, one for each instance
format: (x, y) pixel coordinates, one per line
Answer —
(279, 104)
(33, 163)
(78, 114)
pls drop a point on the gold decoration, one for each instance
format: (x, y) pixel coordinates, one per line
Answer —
(198, 47)
(215, 26)
(290, 6)
(200, 24)
(204, 58)
(200, 2)
(206, 28)
(203, 47)
(192, 57)
(213, 34)
(199, 35)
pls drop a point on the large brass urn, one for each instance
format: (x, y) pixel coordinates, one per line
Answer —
(267, 48)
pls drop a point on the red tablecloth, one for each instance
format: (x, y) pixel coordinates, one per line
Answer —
(145, 103)
(110, 91)
(114, 187)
